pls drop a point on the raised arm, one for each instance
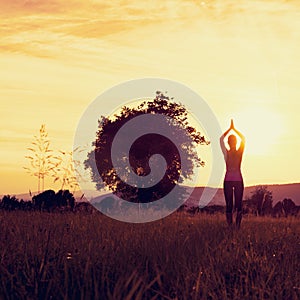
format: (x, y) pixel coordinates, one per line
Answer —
(222, 144)
(243, 140)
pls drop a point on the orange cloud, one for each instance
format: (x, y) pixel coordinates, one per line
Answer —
(43, 28)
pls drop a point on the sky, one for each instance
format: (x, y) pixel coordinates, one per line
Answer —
(242, 57)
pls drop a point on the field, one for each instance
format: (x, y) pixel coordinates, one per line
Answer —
(90, 256)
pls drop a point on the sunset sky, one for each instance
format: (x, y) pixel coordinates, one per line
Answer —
(242, 57)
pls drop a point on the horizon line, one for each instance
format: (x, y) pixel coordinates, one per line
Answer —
(199, 186)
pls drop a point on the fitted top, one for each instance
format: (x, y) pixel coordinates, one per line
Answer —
(233, 159)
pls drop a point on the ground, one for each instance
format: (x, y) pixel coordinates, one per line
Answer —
(90, 256)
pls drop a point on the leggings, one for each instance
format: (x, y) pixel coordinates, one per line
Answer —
(236, 188)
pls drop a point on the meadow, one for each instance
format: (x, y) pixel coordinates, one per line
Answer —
(90, 256)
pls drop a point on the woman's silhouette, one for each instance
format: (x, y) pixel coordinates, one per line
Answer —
(233, 181)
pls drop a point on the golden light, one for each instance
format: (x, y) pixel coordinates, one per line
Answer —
(262, 128)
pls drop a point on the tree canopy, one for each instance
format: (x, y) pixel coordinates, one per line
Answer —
(100, 162)
(262, 200)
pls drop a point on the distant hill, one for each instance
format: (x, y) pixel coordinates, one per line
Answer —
(280, 191)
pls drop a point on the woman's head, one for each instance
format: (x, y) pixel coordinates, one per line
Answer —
(232, 141)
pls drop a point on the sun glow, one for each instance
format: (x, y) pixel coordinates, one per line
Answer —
(242, 57)
(261, 127)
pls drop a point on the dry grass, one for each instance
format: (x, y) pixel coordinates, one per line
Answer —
(89, 256)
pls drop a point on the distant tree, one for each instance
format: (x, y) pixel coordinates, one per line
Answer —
(25, 205)
(41, 158)
(277, 210)
(99, 160)
(49, 200)
(9, 203)
(65, 199)
(44, 201)
(249, 207)
(262, 200)
(289, 207)
(267, 204)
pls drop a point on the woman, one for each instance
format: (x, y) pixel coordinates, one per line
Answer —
(233, 182)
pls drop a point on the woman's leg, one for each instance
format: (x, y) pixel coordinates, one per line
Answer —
(238, 194)
(228, 193)
(238, 201)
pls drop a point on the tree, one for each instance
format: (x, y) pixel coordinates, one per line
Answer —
(262, 200)
(41, 159)
(49, 200)
(277, 210)
(99, 160)
(9, 203)
(267, 204)
(289, 207)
